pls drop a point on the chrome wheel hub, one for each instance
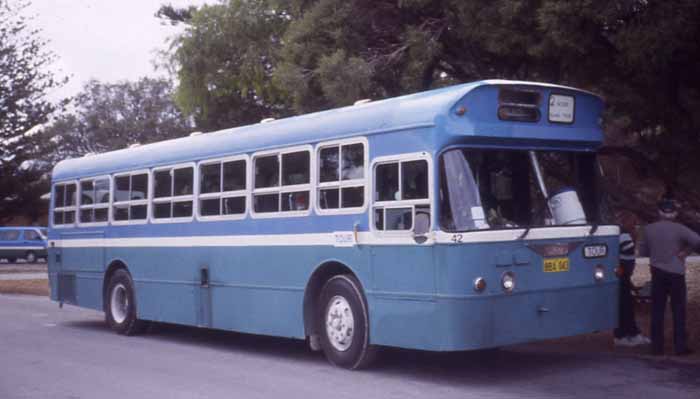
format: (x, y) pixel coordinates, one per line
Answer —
(119, 303)
(340, 323)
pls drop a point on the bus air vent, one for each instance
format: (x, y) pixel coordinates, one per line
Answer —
(194, 134)
(363, 101)
(135, 145)
(267, 120)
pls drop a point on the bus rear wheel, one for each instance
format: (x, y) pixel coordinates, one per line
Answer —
(120, 309)
(344, 323)
(30, 257)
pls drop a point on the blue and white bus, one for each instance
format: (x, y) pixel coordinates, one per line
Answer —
(454, 219)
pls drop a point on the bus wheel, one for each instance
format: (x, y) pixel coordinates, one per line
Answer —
(121, 306)
(30, 257)
(344, 323)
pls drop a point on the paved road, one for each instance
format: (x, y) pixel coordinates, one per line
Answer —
(50, 353)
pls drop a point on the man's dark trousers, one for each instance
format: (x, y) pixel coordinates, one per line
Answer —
(663, 285)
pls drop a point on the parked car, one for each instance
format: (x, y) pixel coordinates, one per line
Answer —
(28, 243)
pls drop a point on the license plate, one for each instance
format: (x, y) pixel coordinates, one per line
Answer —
(553, 265)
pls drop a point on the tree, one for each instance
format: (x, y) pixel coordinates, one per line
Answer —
(24, 83)
(224, 61)
(112, 116)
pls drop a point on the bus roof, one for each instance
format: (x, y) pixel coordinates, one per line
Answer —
(417, 110)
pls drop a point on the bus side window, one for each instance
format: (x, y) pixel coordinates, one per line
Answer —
(222, 186)
(65, 201)
(94, 200)
(341, 171)
(173, 192)
(282, 182)
(402, 196)
(130, 197)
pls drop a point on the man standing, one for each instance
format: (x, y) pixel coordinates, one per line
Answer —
(666, 243)
(627, 333)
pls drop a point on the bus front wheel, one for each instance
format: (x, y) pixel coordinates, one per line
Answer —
(30, 257)
(344, 323)
(121, 306)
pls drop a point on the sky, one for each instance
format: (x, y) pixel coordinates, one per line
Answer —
(107, 40)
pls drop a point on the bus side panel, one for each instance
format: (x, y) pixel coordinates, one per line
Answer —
(250, 289)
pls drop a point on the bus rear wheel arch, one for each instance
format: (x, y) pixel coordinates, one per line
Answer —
(120, 304)
(343, 323)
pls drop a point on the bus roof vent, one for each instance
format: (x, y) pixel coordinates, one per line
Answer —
(363, 101)
(193, 134)
(135, 145)
(267, 120)
(89, 154)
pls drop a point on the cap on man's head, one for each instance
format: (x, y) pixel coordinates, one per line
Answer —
(667, 206)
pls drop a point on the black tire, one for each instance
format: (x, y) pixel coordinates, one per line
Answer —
(353, 353)
(122, 317)
(30, 257)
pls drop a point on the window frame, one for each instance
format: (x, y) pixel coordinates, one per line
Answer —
(245, 193)
(93, 206)
(340, 184)
(73, 208)
(412, 203)
(152, 200)
(130, 202)
(282, 189)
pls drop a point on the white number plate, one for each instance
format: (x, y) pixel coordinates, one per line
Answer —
(561, 108)
(595, 251)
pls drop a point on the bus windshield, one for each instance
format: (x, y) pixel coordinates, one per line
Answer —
(499, 189)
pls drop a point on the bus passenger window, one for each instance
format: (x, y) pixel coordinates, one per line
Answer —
(163, 186)
(414, 180)
(64, 201)
(398, 219)
(329, 164)
(222, 188)
(402, 196)
(387, 182)
(293, 193)
(121, 189)
(233, 206)
(173, 194)
(87, 193)
(353, 162)
(341, 171)
(295, 168)
(210, 178)
(266, 203)
(183, 179)
(234, 176)
(130, 197)
(267, 171)
(297, 201)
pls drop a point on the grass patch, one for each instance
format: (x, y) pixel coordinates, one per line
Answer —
(28, 287)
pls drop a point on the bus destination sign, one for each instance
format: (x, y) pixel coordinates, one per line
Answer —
(561, 108)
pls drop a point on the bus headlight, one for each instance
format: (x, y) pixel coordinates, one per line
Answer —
(599, 273)
(508, 281)
(479, 284)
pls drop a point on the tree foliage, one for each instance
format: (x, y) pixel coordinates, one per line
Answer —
(224, 61)
(24, 83)
(110, 116)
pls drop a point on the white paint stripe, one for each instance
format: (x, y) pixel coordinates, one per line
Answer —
(329, 239)
(24, 248)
